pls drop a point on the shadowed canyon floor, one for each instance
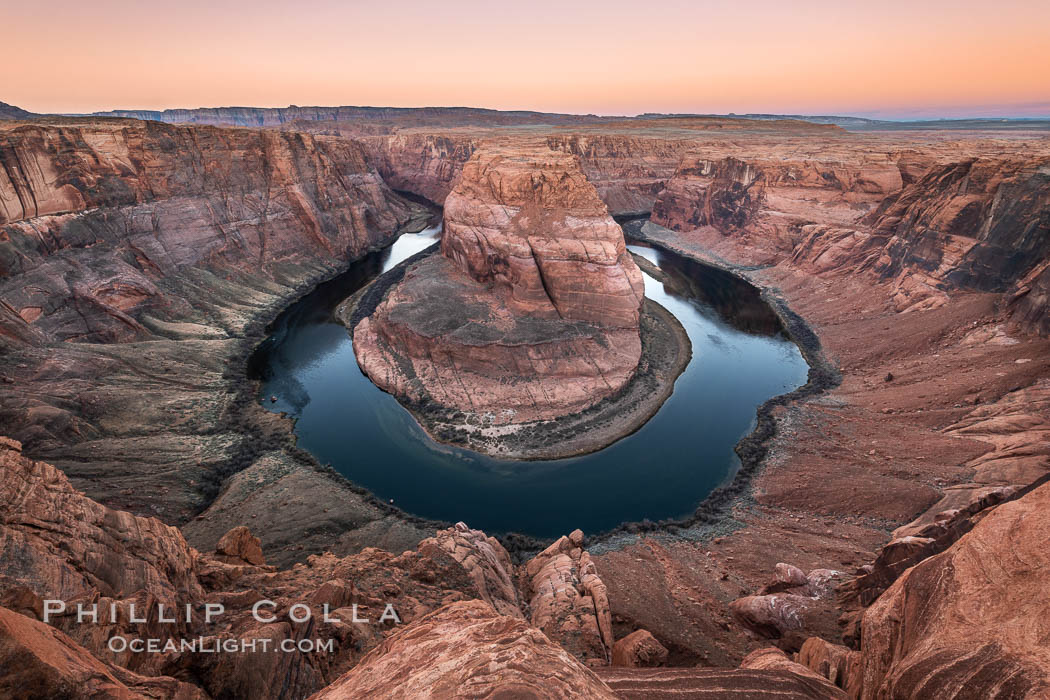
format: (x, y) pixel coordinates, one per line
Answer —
(890, 536)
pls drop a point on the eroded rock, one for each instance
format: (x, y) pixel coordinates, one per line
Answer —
(532, 310)
(467, 650)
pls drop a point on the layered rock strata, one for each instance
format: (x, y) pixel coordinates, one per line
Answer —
(467, 650)
(531, 311)
(138, 264)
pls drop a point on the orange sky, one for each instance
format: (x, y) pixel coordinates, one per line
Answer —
(890, 58)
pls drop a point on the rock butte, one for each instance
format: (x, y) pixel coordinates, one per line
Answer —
(532, 310)
(906, 509)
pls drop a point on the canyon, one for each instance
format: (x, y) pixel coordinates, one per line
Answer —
(883, 538)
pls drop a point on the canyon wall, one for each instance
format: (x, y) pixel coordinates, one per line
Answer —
(138, 265)
(99, 219)
(426, 164)
(628, 171)
(979, 224)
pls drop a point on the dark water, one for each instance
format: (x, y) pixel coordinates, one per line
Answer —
(740, 359)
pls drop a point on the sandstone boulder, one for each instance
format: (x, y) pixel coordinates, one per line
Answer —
(239, 545)
(638, 649)
(467, 650)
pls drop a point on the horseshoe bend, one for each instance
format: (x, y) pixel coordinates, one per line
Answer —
(340, 402)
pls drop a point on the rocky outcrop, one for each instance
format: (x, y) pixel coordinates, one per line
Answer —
(532, 310)
(191, 238)
(51, 534)
(970, 620)
(39, 661)
(841, 666)
(638, 649)
(531, 226)
(485, 561)
(467, 650)
(789, 607)
(239, 546)
(568, 601)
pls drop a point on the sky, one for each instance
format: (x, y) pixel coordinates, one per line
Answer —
(885, 59)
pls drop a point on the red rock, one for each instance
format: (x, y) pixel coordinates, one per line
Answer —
(716, 684)
(467, 650)
(485, 561)
(38, 661)
(240, 545)
(789, 575)
(772, 616)
(569, 601)
(639, 648)
(835, 662)
(533, 310)
(970, 620)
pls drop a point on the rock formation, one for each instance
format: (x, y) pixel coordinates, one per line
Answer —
(467, 650)
(532, 310)
(969, 619)
(38, 661)
(568, 600)
(191, 238)
(638, 649)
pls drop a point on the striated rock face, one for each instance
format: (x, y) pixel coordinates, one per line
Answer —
(835, 662)
(976, 224)
(99, 217)
(39, 661)
(532, 227)
(114, 232)
(425, 164)
(971, 620)
(568, 600)
(62, 545)
(467, 650)
(532, 310)
(771, 198)
(485, 561)
(726, 194)
(627, 171)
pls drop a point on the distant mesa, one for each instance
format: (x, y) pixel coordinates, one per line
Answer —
(12, 112)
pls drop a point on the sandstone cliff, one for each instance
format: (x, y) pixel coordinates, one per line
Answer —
(113, 233)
